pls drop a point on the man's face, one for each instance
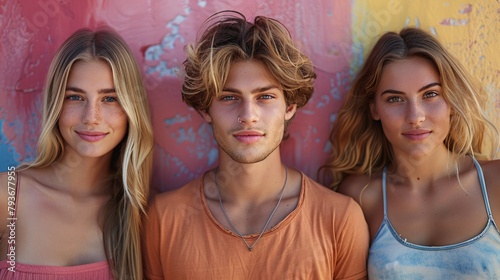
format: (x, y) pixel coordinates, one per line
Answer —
(248, 117)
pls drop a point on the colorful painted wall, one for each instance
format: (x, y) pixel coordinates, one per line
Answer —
(336, 34)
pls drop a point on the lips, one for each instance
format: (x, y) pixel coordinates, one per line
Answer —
(91, 136)
(248, 136)
(417, 134)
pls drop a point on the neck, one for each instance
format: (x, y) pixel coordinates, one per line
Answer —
(422, 170)
(80, 175)
(250, 182)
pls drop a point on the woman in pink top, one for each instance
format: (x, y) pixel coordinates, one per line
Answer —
(75, 211)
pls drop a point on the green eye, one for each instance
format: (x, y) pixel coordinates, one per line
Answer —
(430, 94)
(394, 99)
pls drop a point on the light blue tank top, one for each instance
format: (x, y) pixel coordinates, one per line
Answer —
(392, 257)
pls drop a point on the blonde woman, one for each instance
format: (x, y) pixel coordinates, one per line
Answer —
(413, 144)
(77, 208)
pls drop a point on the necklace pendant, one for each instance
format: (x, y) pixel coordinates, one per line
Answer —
(268, 219)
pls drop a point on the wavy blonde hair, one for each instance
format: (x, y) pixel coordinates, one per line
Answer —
(230, 38)
(358, 141)
(132, 158)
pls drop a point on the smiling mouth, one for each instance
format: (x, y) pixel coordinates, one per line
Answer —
(91, 136)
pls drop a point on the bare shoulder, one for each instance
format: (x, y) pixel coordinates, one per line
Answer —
(353, 186)
(9, 187)
(365, 190)
(8, 181)
(491, 171)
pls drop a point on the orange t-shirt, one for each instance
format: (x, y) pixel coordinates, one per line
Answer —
(325, 237)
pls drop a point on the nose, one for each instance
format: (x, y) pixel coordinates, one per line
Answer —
(248, 112)
(91, 113)
(415, 113)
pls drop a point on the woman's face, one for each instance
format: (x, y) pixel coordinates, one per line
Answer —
(92, 121)
(410, 105)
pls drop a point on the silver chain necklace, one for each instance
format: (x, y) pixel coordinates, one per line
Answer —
(268, 220)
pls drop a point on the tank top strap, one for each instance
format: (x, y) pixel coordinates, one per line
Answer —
(384, 195)
(482, 184)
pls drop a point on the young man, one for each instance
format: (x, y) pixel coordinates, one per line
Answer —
(252, 217)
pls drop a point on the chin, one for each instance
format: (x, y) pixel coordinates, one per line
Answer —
(247, 159)
(94, 153)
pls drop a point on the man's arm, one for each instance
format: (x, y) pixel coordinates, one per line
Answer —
(151, 245)
(353, 244)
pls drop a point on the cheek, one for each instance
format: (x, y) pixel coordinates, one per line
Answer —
(68, 117)
(390, 122)
(388, 119)
(446, 117)
(221, 121)
(440, 110)
(390, 129)
(216, 128)
(119, 119)
(67, 120)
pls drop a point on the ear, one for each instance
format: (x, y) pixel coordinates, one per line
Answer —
(290, 111)
(206, 116)
(374, 112)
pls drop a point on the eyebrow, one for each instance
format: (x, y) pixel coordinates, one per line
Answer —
(421, 89)
(102, 91)
(257, 90)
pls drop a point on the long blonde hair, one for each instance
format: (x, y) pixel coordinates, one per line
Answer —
(131, 163)
(358, 141)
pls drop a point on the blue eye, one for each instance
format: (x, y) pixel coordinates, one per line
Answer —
(110, 99)
(74, 97)
(266, 96)
(227, 98)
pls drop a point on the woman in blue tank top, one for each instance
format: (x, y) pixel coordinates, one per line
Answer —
(413, 144)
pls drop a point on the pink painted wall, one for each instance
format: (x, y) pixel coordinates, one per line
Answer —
(157, 31)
